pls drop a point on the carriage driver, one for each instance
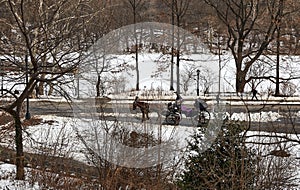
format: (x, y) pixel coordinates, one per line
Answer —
(178, 101)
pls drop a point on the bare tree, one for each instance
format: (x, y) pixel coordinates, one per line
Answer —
(178, 11)
(136, 6)
(43, 41)
(285, 35)
(251, 27)
(114, 150)
(188, 76)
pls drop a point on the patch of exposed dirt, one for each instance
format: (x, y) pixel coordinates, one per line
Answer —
(5, 118)
(51, 163)
(36, 121)
(32, 121)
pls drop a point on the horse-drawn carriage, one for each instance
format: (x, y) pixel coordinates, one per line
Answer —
(199, 115)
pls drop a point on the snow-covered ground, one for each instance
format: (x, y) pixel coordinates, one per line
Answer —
(153, 76)
(65, 131)
(7, 175)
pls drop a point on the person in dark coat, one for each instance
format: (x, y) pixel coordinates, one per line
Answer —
(254, 93)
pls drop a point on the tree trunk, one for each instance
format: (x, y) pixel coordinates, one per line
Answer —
(137, 71)
(136, 53)
(40, 88)
(19, 146)
(240, 81)
(172, 50)
(172, 71)
(178, 55)
(277, 92)
(98, 86)
(51, 89)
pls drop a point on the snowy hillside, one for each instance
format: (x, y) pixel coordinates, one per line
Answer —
(154, 70)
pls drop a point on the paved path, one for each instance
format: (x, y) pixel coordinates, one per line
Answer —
(63, 108)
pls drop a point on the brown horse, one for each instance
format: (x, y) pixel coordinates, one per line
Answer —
(144, 106)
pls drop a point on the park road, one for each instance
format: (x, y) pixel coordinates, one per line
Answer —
(284, 124)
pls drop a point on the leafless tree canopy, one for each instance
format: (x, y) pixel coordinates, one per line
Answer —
(44, 41)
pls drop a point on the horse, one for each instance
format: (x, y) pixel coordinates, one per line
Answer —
(144, 106)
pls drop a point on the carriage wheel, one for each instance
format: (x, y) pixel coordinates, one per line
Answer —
(177, 119)
(173, 119)
(203, 118)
